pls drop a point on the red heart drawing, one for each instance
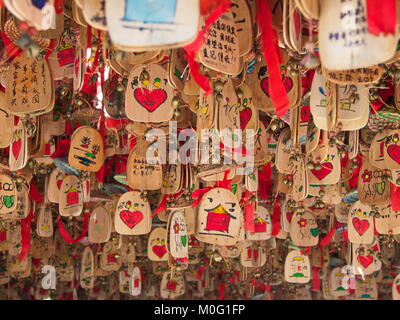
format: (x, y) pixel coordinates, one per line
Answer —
(245, 117)
(16, 148)
(398, 288)
(365, 261)
(287, 83)
(59, 183)
(159, 250)
(150, 100)
(131, 218)
(360, 225)
(394, 152)
(324, 171)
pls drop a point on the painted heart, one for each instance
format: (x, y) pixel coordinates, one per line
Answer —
(360, 225)
(159, 251)
(59, 183)
(287, 83)
(314, 232)
(245, 117)
(184, 240)
(365, 261)
(16, 148)
(380, 187)
(131, 218)
(398, 288)
(150, 100)
(394, 152)
(326, 169)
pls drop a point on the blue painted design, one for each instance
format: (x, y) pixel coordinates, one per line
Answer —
(150, 11)
(64, 166)
(39, 3)
(351, 196)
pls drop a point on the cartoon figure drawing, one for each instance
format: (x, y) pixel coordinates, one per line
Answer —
(297, 267)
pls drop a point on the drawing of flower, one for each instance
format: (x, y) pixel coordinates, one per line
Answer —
(366, 176)
(302, 223)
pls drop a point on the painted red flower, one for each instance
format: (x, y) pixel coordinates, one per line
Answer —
(366, 176)
(302, 223)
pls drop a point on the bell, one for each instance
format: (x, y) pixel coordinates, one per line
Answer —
(24, 41)
(219, 85)
(274, 126)
(120, 87)
(34, 50)
(310, 165)
(318, 166)
(177, 113)
(219, 97)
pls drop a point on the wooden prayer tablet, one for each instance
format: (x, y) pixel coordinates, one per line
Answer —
(156, 248)
(87, 269)
(94, 13)
(365, 258)
(147, 24)
(99, 226)
(343, 40)
(172, 285)
(373, 187)
(224, 55)
(262, 225)
(297, 267)
(29, 86)
(360, 224)
(87, 149)
(44, 225)
(304, 230)
(219, 218)
(8, 194)
(177, 235)
(71, 197)
(133, 214)
(18, 155)
(135, 282)
(149, 96)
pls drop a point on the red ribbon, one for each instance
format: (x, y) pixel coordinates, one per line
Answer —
(11, 50)
(59, 6)
(200, 272)
(276, 217)
(381, 16)
(26, 235)
(62, 149)
(328, 238)
(316, 281)
(395, 197)
(248, 212)
(66, 236)
(192, 48)
(264, 181)
(163, 204)
(34, 193)
(221, 291)
(199, 193)
(271, 52)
